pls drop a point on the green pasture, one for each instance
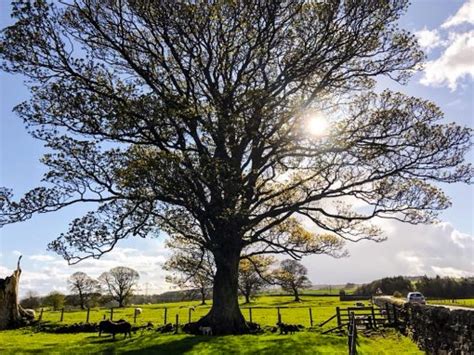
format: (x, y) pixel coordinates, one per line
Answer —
(465, 302)
(264, 311)
(28, 342)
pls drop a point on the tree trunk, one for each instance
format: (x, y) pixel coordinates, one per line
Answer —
(247, 298)
(225, 316)
(203, 296)
(10, 310)
(297, 296)
(81, 298)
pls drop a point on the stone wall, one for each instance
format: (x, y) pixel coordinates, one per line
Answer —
(436, 329)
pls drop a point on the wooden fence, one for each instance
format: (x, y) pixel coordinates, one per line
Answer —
(369, 317)
(262, 315)
(352, 335)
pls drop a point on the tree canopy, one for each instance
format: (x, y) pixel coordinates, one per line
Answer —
(193, 119)
(120, 282)
(291, 276)
(84, 286)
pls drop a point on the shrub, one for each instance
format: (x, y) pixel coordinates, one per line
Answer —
(397, 294)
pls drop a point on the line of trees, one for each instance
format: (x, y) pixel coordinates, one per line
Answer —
(446, 287)
(436, 287)
(117, 284)
(192, 275)
(387, 286)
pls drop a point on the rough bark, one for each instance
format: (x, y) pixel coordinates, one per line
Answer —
(10, 310)
(225, 316)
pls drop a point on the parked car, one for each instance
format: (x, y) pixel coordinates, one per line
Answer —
(416, 297)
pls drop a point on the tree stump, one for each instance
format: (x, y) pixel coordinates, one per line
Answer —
(11, 313)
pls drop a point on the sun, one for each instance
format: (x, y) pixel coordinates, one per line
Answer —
(317, 125)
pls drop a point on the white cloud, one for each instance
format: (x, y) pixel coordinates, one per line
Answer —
(455, 63)
(17, 253)
(464, 15)
(41, 257)
(429, 39)
(450, 271)
(46, 272)
(409, 250)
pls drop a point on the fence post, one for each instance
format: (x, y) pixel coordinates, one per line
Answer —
(112, 313)
(373, 317)
(41, 315)
(177, 323)
(166, 314)
(250, 314)
(387, 311)
(62, 314)
(395, 315)
(189, 315)
(349, 335)
(311, 316)
(88, 313)
(134, 316)
(338, 315)
(278, 314)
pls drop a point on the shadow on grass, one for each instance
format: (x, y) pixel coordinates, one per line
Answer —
(231, 345)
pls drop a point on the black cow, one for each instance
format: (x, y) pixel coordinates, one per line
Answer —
(122, 326)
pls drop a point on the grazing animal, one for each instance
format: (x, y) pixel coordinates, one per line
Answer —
(167, 328)
(138, 311)
(205, 330)
(254, 327)
(122, 326)
(29, 313)
(288, 328)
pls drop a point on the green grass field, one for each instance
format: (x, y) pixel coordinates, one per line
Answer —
(308, 342)
(466, 302)
(263, 311)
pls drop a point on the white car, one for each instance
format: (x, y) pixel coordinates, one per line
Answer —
(416, 297)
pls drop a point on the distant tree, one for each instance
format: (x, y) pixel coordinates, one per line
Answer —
(291, 276)
(84, 286)
(31, 300)
(254, 274)
(211, 111)
(191, 267)
(120, 282)
(397, 294)
(55, 299)
(446, 287)
(387, 285)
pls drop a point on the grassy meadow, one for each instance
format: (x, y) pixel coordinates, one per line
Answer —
(28, 341)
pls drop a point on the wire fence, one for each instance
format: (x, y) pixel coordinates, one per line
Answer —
(306, 316)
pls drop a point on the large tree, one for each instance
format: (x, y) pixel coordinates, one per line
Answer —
(171, 113)
(120, 283)
(84, 286)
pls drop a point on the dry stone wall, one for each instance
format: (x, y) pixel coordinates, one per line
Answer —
(436, 330)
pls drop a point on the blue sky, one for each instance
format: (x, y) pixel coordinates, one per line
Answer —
(446, 31)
